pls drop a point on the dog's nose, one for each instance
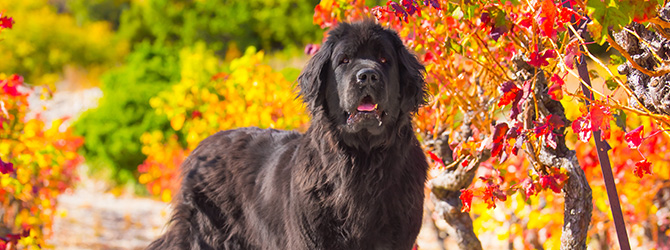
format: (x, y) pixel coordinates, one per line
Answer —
(367, 76)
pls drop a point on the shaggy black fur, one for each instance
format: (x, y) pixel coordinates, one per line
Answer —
(354, 180)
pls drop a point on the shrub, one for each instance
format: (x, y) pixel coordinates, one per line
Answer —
(48, 41)
(248, 93)
(263, 23)
(37, 163)
(113, 129)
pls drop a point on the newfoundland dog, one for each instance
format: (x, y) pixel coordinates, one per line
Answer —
(354, 180)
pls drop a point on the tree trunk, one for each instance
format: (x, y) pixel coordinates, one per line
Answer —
(643, 70)
(446, 191)
(578, 204)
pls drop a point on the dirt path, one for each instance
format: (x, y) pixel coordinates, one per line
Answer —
(90, 218)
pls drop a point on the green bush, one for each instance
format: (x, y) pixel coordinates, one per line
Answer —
(98, 10)
(266, 24)
(113, 130)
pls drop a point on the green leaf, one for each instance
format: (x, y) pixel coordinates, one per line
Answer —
(594, 74)
(470, 11)
(620, 119)
(611, 84)
(616, 59)
(613, 3)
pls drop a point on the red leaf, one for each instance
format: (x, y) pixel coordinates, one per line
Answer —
(409, 6)
(465, 163)
(556, 89)
(466, 199)
(377, 12)
(520, 99)
(436, 158)
(551, 122)
(634, 137)
(554, 181)
(6, 167)
(582, 127)
(428, 57)
(538, 59)
(492, 192)
(555, 121)
(600, 119)
(6, 22)
(571, 53)
(605, 133)
(514, 131)
(529, 188)
(496, 148)
(9, 85)
(526, 22)
(499, 132)
(547, 18)
(196, 114)
(544, 181)
(555, 188)
(642, 167)
(510, 93)
(499, 138)
(565, 14)
(399, 11)
(598, 114)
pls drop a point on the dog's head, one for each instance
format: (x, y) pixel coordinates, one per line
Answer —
(363, 81)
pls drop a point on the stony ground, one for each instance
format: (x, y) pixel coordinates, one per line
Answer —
(91, 218)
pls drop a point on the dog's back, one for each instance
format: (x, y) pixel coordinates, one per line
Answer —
(229, 181)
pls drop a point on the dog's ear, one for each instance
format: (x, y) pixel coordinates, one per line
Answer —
(413, 91)
(312, 80)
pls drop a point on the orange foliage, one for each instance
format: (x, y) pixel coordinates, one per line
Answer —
(467, 48)
(248, 93)
(43, 160)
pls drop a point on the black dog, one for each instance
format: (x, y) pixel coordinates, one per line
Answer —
(354, 180)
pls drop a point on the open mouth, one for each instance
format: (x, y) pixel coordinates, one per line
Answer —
(367, 109)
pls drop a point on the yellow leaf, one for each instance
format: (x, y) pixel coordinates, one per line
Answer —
(166, 196)
(5, 180)
(144, 179)
(178, 121)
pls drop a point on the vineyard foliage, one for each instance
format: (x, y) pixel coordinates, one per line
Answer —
(210, 98)
(477, 55)
(37, 163)
(184, 78)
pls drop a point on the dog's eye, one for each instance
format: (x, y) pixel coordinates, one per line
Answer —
(344, 60)
(382, 59)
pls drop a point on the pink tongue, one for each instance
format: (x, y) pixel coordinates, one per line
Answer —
(366, 107)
